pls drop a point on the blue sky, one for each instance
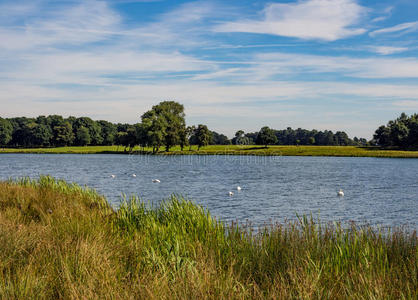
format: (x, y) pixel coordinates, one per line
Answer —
(326, 64)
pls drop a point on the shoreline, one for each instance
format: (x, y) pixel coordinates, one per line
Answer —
(324, 151)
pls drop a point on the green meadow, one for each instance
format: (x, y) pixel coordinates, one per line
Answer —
(353, 151)
(61, 241)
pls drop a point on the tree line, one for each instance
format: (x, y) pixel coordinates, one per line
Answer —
(401, 132)
(162, 126)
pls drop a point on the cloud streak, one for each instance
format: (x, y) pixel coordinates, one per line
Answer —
(327, 20)
(400, 28)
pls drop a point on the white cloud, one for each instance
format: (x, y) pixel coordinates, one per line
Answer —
(312, 19)
(82, 23)
(403, 28)
(387, 50)
(284, 63)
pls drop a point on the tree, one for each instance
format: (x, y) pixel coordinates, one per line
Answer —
(311, 140)
(266, 136)
(156, 128)
(220, 139)
(190, 131)
(240, 139)
(173, 114)
(402, 132)
(6, 131)
(41, 135)
(203, 136)
(94, 128)
(83, 136)
(64, 134)
(108, 132)
(183, 138)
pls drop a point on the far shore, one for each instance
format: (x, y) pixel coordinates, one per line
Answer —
(340, 151)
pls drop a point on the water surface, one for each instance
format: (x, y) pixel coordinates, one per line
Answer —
(377, 190)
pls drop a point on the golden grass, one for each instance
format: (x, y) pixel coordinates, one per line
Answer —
(59, 241)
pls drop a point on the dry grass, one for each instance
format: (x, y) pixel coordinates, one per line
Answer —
(61, 241)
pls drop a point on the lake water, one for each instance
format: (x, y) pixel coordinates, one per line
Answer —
(380, 191)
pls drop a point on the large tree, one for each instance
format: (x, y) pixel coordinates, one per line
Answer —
(166, 124)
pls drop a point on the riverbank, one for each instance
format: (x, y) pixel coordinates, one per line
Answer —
(349, 151)
(61, 241)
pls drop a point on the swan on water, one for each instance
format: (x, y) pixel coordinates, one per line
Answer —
(113, 176)
(156, 181)
(231, 194)
(133, 175)
(340, 193)
(238, 188)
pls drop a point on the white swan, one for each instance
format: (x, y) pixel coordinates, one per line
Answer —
(113, 176)
(231, 194)
(133, 175)
(156, 181)
(238, 188)
(340, 193)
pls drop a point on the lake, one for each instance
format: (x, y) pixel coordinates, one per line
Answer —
(381, 191)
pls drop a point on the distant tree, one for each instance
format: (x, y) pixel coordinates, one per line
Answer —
(266, 136)
(382, 136)
(240, 138)
(190, 134)
(173, 113)
(141, 135)
(183, 138)
(122, 139)
(41, 135)
(239, 133)
(94, 128)
(83, 136)
(156, 129)
(108, 132)
(64, 134)
(219, 139)
(132, 138)
(203, 136)
(6, 131)
(402, 132)
(311, 140)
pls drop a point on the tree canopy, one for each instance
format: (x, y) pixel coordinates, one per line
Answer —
(402, 132)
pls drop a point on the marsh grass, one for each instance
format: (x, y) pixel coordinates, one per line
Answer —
(351, 151)
(59, 240)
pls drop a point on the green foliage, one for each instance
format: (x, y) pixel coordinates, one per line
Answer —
(402, 132)
(203, 136)
(64, 134)
(6, 131)
(83, 136)
(165, 124)
(266, 136)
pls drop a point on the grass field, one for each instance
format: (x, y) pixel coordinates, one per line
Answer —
(234, 150)
(60, 241)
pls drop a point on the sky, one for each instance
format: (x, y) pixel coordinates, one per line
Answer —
(347, 65)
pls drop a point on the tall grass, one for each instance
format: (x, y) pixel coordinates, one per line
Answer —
(59, 240)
